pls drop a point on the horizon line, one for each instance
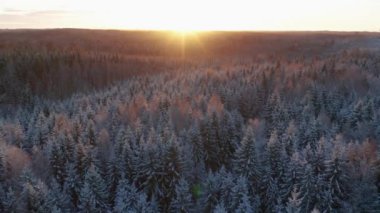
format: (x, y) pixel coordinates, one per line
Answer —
(195, 30)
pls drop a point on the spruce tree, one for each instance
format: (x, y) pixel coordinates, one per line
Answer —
(95, 185)
(56, 199)
(129, 199)
(182, 201)
(246, 159)
(87, 200)
(294, 202)
(2, 168)
(57, 162)
(275, 156)
(171, 173)
(219, 208)
(8, 201)
(312, 189)
(338, 181)
(292, 176)
(72, 185)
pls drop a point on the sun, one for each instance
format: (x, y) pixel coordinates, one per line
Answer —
(185, 32)
(186, 40)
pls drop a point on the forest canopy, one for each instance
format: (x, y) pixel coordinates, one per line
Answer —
(124, 122)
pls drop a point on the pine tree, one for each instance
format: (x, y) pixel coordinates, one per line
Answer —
(68, 144)
(316, 157)
(82, 161)
(182, 201)
(210, 136)
(94, 184)
(228, 141)
(212, 191)
(76, 131)
(270, 195)
(122, 203)
(128, 199)
(131, 155)
(364, 197)
(40, 136)
(33, 196)
(245, 160)
(56, 200)
(275, 152)
(290, 139)
(117, 164)
(356, 115)
(312, 190)
(197, 146)
(90, 135)
(245, 206)
(8, 200)
(87, 200)
(72, 185)
(171, 173)
(339, 183)
(239, 197)
(114, 173)
(292, 176)
(197, 155)
(57, 162)
(149, 173)
(294, 203)
(2, 168)
(219, 208)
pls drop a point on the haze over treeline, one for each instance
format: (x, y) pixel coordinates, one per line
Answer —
(58, 63)
(148, 121)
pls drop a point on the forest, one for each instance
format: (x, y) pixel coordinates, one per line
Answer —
(148, 121)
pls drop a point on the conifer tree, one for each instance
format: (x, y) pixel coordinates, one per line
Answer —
(128, 199)
(219, 208)
(87, 200)
(56, 199)
(90, 135)
(182, 201)
(96, 187)
(275, 156)
(294, 202)
(338, 181)
(246, 160)
(72, 185)
(292, 176)
(33, 196)
(40, 136)
(2, 168)
(172, 169)
(82, 161)
(312, 190)
(57, 162)
(8, 201)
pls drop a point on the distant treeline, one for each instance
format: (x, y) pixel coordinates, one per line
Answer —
(58, 63)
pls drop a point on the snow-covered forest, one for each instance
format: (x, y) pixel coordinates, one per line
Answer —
(296, 129)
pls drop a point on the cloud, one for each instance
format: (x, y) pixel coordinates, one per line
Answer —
(12, 18)
(50, 13)
(11, 11)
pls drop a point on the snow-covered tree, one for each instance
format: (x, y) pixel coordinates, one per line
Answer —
(128, 199)
(93, 194)
(294, 202)
(246, 161)
(182, 201)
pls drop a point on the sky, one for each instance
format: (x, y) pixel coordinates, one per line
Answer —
(256, 15)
